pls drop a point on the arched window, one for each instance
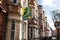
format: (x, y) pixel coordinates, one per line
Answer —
(14, 1)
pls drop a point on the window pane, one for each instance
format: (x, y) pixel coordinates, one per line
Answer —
(13, 25)
(22, 35)
(29, 32)
(12, 30)
(12, 35)
(24, 27)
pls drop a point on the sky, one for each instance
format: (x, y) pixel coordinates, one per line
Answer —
(48, 6)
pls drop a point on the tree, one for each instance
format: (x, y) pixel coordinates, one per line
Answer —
(55, 14)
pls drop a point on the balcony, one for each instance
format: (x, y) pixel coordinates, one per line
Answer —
(57, 24)
(57, 20)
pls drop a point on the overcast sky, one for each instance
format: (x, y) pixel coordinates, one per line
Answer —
(48, 6)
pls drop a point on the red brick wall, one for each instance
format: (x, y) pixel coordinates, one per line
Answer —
(2, 26)
(15, 8)
(31, 2)
(2, 19)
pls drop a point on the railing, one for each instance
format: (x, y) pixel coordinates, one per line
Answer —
(34, 39)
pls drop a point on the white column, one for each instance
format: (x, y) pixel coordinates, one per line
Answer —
(20, 31)
(26, 35)
(26, 3)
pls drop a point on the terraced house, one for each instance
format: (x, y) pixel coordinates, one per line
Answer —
(13, 22)
(19, 20)
(33, 31)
